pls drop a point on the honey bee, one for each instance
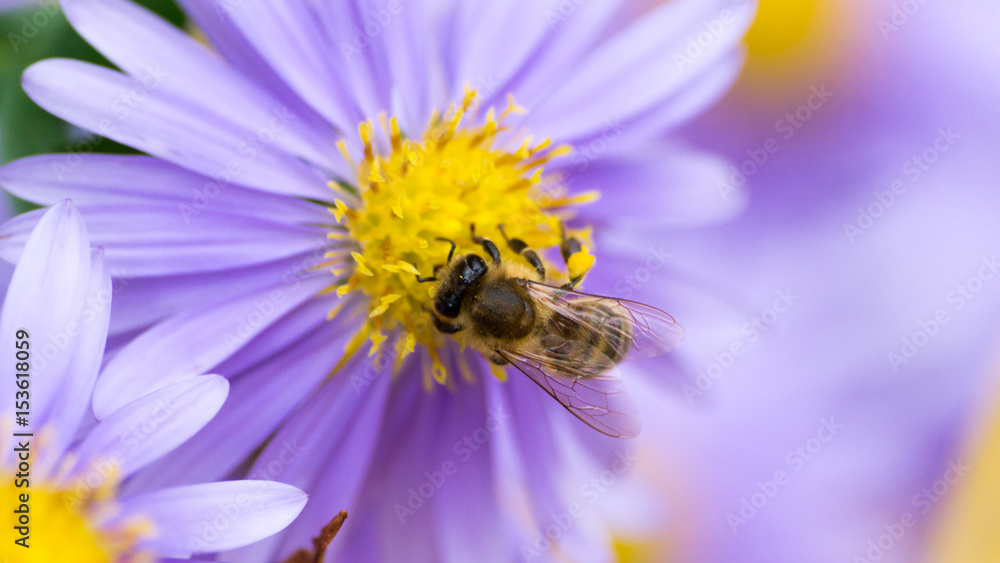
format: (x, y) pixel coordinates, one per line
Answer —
(567, 342)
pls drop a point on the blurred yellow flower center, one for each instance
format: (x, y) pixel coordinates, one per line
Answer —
(54, 523)
(797, 44)
(781, 26)
(433, 188)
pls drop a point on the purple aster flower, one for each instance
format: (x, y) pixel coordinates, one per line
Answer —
(60, 487)
(298, 181)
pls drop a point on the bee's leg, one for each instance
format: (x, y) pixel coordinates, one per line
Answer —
(498, 359)
(488, 245)
(576, 258)
(450, 252)
(519, 246)
(437, 268)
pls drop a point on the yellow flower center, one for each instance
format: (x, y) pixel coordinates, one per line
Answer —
(47, 522)
(436, 187)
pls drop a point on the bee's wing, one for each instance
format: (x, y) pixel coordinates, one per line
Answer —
(583, 380)
(653, 332)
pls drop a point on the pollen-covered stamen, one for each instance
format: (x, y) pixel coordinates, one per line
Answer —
(434, 188)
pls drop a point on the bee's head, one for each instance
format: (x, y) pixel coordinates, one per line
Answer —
(456, 278)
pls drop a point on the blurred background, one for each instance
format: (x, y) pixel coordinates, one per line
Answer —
(846, 406)
(861, 425)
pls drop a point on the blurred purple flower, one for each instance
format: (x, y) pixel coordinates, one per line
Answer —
(56, 313)
(227, 240)
(847, 410)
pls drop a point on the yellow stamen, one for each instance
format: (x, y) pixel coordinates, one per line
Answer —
(365, 132)
(362, 265)
(65, 519)
(376, 174)
(340, 210)
(342, 147)
(377, 339)
(409, 345)
(437, 368)
(581, 199)
(394, 135)
(384, 305)
(436, 186)
(512, 108)
(334, 312)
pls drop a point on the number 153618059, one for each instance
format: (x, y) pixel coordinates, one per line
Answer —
(22, 371)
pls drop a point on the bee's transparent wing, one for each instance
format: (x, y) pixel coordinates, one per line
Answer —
(649, 331)
(583, 380)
